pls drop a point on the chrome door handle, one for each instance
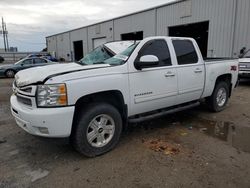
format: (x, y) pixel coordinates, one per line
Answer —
(169, 74)
(197, 70)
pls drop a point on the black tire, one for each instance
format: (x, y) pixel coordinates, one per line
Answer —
(79, 138)
(212, 100)
(10, 73)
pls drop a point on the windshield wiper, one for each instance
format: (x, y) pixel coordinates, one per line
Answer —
(81, 63)
(101, 62)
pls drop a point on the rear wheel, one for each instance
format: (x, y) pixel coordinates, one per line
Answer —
(10, 73)
(218, 101)
(97, 130)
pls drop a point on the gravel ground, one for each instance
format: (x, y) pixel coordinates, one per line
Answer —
(194, 148)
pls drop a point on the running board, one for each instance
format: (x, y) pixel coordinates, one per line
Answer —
(162, 113)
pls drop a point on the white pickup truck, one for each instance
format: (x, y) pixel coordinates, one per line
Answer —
(92, 103)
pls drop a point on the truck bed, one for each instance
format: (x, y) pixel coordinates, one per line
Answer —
(209, 59)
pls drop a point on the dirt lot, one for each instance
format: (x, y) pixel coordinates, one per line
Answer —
(194, 148)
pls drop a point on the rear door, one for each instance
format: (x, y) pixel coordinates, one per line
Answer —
(40, 62)
(154, 87)
(190, 70)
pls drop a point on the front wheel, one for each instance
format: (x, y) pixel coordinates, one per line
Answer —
(218, 101)
(97, 130)
(10, 74)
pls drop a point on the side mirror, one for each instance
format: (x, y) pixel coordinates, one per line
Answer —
(146, 61)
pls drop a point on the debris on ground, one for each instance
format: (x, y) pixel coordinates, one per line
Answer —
(14, 152)
(176, 123)
(76, 169)
(3, 141)
(184, 134)
(158, 145)
(37, 174)
(203, 129)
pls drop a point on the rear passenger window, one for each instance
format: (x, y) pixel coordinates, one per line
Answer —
(159, 48)
(185, 52)
(40, 61)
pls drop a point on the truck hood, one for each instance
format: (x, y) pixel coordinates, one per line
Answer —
(39, 74)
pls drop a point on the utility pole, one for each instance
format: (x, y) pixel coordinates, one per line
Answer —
(6, 35)
(3, 31)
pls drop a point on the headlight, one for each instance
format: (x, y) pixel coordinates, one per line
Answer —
(51, 95)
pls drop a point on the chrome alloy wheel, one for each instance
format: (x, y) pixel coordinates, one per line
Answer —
(100, 130)
(221, 97)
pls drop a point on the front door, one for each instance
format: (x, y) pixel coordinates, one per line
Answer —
(153, 87)
(27, 63)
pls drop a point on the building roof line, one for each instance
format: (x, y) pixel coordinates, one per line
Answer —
(112, 19)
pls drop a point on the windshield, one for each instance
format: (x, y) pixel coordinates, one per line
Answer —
(20, 61)
(121, 58)
(98, 55)
(247, 55)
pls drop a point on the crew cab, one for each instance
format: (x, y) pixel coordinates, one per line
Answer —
(92, 103)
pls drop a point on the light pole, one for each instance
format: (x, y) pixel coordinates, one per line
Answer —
(5, 36)
(3, 31)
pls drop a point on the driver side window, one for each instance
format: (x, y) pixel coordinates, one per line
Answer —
(158, 48)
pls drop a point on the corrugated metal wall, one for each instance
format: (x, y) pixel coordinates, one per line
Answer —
(51, 44)
(229, 26)
(137, 22)
(63, 46)
(219, 13)
(242, 27)
(103, 30)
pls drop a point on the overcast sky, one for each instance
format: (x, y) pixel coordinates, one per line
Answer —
(30, 21)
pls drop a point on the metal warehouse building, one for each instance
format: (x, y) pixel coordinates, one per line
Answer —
(221, 28)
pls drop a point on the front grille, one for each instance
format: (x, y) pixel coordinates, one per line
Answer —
(24, 100)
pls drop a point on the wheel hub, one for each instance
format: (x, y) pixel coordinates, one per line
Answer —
(100, 130)
(221, 97)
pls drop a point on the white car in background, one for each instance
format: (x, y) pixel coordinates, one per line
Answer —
(244, 67)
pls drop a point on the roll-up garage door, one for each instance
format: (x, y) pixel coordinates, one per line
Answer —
(99, 41)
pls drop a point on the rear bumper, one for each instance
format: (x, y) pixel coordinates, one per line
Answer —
(45, 122)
